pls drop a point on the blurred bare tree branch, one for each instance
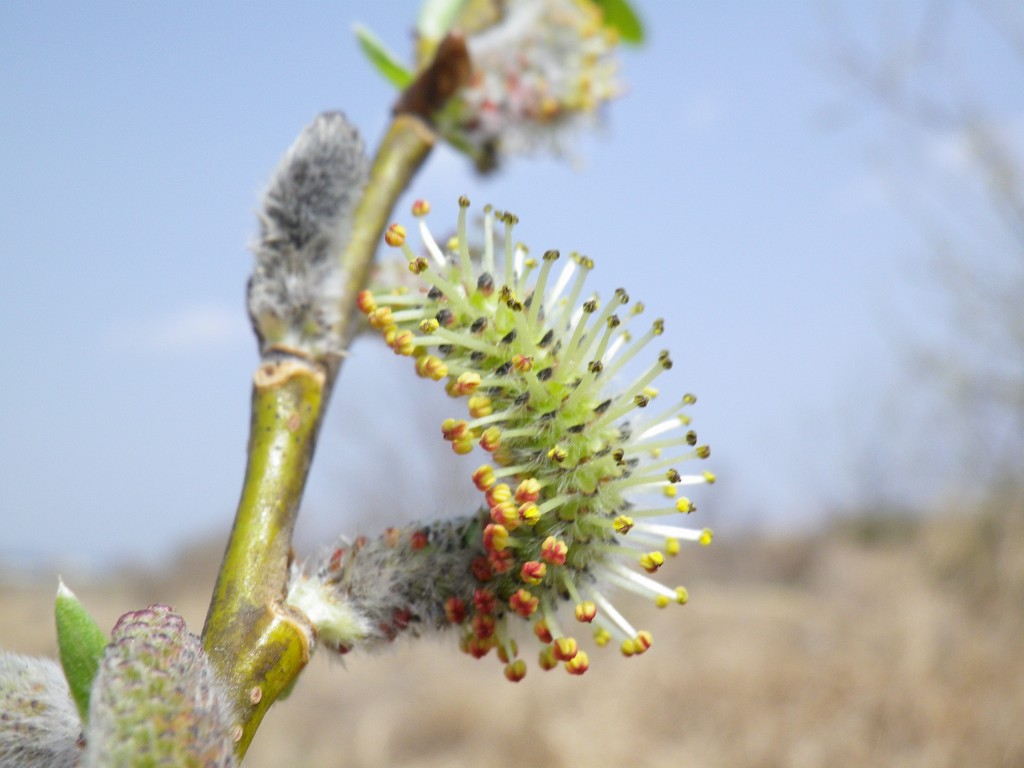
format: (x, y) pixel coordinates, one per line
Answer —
(948, 76)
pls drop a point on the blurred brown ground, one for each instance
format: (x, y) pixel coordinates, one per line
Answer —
(883, 642)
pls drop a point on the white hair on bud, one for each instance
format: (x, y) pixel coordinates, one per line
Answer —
(305, 224)
(39, 725)
(365, 594)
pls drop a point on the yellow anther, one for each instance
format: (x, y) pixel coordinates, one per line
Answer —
(529, 513)
(420, 207)
(652, 561)
(522, 363)
(479, 406)
(622, 523)
(467, 383)
(404, 343)
(463, 445)
(586, 611)
(705, 537)
(395, 235)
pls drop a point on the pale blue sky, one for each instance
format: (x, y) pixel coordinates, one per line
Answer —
(729, 189)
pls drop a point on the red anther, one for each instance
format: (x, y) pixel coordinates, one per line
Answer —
(586, 611)
(334, 564)
(467, 383)
(533, 572)
(515, 670)
(455, 610)
(365, 302)
(481, 569)
(401, 618)
(540, 629)
(497, 494)
(500, 562)
(483, 477)
(528, 490)
(490, 439)
(554, 551)
(484, 600)
(495, 537)
(578, 664)
(565, 648)
(478, 647)
(483, 625)
(453, 429)
(523, 603)
(507, 514)
(419, 539)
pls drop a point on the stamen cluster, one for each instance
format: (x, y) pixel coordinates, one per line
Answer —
(575, 471)
(545, 65)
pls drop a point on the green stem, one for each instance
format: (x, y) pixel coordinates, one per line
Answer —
(254, 643)
(258, 645)
(404, 148)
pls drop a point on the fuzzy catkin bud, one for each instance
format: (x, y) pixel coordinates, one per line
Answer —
(305, 224)
(369, 591)
(39, 725)
(156, 700)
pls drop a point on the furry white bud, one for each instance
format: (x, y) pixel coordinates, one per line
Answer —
(305, 224)
(39, 725)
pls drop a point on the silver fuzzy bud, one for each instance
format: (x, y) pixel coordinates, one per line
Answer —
(305, 225)
(39, 725)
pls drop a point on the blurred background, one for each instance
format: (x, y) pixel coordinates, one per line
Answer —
(824, 201)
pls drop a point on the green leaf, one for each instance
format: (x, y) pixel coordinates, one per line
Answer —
(620, 16)
(81, 643)
(437, 17)
(384, 60)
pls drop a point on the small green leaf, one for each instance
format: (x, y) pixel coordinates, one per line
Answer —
(384, 60)
(620, 16)
(437, 17)
(81, 644)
